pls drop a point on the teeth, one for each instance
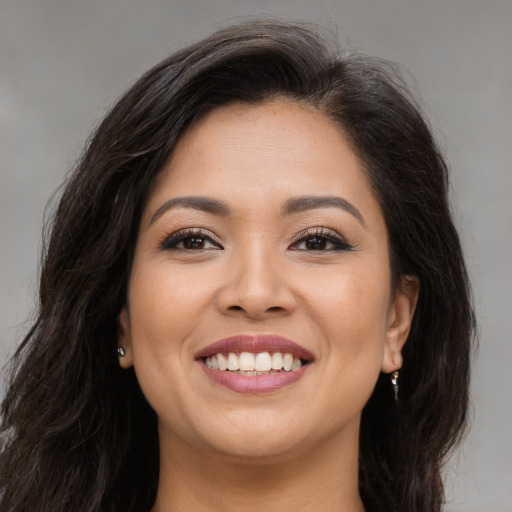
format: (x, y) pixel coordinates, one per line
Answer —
(248, 363)
(263, 362)
(223, 364)
(233, 363)
(277, 361)
(287, 362)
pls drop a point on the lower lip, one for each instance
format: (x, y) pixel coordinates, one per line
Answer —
(254, 384)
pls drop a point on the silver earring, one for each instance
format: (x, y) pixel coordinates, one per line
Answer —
(121, 352)
(394, 382)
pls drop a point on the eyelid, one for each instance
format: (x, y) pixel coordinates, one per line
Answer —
(327, 233)
(316, 230)
(175, 236)
(172, 237)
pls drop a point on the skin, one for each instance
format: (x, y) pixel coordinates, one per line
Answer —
(252, 272)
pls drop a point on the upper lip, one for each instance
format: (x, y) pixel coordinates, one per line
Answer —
(255, 343)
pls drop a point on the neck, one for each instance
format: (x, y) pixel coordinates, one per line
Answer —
(324, 478)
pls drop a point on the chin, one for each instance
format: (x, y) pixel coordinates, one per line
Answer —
(261, 438)
(250, 436)
(246, 450)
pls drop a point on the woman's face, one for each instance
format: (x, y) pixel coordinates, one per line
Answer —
(262, 237)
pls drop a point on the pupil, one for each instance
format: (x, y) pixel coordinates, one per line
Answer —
(316, 243)
(193, 243)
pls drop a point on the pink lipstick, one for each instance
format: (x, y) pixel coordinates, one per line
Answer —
(254, 363)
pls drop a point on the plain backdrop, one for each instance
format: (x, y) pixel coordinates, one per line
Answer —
(63, 63)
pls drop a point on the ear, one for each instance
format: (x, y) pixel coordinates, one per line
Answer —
(400, 314)
(124, 339)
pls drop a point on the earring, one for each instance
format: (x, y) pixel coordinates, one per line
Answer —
(394, 382)
(121, 352)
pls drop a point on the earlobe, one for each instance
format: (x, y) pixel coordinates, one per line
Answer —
(124, 346)
(400, 317)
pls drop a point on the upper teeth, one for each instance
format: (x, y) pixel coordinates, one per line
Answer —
(260, 362)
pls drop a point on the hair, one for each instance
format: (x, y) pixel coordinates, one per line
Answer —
(78, 429)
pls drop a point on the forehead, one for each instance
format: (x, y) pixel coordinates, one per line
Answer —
(261, 154)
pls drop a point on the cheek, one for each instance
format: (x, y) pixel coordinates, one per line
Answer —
(352, 307)
(161, 307)
(163, 304)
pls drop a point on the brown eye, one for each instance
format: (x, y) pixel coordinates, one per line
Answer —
(320, 240)
(194, 242)
(189, 240)
(315, 243)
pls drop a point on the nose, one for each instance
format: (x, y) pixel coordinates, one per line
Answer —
(257, 286)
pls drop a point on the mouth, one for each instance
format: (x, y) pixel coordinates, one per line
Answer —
(261, 363)
(254, 364)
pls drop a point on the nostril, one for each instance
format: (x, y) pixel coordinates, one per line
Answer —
(272, 309)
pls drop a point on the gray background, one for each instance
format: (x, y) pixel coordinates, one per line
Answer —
(62, 63)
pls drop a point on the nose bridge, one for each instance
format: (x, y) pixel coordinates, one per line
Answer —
(257, 284)
(256, 270)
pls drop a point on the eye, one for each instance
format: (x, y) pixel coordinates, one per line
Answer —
(320, 239)
(190, 240)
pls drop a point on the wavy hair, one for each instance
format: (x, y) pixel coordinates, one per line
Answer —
(78, 429)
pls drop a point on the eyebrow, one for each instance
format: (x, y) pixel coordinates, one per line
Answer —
(205, 204)
(292, 206)
(305, 203)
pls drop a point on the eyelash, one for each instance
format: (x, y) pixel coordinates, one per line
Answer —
(323, 234)
(171, 242)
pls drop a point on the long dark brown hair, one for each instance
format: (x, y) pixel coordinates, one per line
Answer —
(79, 434)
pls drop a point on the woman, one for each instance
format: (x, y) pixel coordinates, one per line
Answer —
(253, 295)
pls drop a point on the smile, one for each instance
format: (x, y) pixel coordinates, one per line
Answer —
(254, 364)
(247, 363)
